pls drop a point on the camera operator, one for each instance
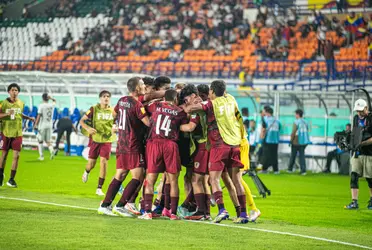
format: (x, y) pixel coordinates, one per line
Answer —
(361, 161)
(336, 154)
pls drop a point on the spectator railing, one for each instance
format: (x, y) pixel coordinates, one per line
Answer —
(348, 70)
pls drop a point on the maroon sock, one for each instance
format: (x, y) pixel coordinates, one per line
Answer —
(219, 199)
(135, 194)
(189, 199)
(113, 189)
(200, 202)
(167, 197)
(243, 203)
(208, 204)
(156, 202)
(128, 192)
(100, 182)
(142, 202)
(174, 204)
(237, 210)
(13, 174)
(148, 202)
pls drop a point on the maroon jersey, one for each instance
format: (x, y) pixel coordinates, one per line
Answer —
(165, 121)
(141, 98)
(130, 112)
(214, 136)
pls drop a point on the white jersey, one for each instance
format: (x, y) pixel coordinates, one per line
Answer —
(46, 115)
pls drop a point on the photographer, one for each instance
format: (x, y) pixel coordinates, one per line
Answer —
(336, 154)
(361, 161)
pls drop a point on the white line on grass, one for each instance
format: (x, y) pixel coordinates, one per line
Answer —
(220, 225)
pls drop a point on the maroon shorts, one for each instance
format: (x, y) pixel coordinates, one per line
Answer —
(130, 161)
(224, 157)
(99, 149)
(90, 141)
(162, 156)
(14, 143)
(201, 160)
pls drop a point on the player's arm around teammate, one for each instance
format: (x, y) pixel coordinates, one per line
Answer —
(130, 115)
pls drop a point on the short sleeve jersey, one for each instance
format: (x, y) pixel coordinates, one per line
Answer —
(45, 111)
(165, 121)
(130, 112)
(214, 136)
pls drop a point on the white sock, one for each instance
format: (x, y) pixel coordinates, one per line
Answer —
(40, 146)
(51, 149)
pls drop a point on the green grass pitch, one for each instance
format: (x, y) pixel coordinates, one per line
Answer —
(309, 205)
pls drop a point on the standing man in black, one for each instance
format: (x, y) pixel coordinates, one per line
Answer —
(64, 125)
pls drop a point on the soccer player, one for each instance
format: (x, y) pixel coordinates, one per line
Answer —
(11, 114)
(130, 115)
(44, 125)
(162, 153)
(224, 136)
(102, 136)
(200, 155)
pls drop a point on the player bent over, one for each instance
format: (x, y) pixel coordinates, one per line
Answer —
(11, 115)
(224, 136)
(162, 153)
(101, 137)
(131, 117)
(44, 125)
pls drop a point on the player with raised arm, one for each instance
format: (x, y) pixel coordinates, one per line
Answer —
(162, 153)
(44, 125)
(11, 114)
(224, 136)
(101, 137)
(130, 115)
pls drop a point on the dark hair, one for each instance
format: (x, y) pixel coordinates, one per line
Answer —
(299, 112)
(160, 81)
(246, 123)
(245, 111)
(14, 85)
(132, 84)
(348, 125)
(218, 87)
(269, 110)
(104, 92)
(203, 89)
(45, 97)
(266, 107)
(170, 95)
(188, 90)
(148, 81)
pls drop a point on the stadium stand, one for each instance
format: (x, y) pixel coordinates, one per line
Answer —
(194, 39)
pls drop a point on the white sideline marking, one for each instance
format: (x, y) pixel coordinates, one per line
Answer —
(221, 225)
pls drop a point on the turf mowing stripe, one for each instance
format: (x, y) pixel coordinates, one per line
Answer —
(221, 225)
(47, 203)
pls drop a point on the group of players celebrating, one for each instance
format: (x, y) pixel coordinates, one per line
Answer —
(159, 129)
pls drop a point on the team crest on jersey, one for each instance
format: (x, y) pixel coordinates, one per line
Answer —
(196, 164)
(143, 111)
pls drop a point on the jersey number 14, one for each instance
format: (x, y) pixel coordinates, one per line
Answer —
(163, 125)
